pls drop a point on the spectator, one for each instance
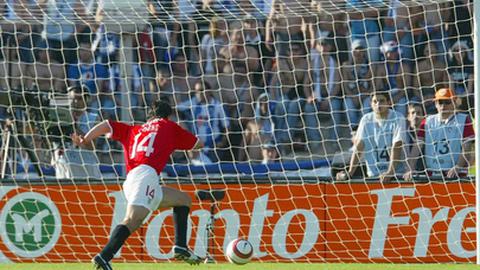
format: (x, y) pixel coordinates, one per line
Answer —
(460, 25)
(207, 120)
(380, 137)
(447, 137)
(212, 43)
(327, 98)
(269, 153)
(46, 73)
(295, 100)
(394, 75)
(460, 69)
(357, 82)
(238, 64)
(431, 74)
(165, 30)
(364, 17)
(180, 82)
(429, 24)
(416, 115)
(61, 26)
(284, 28)
(259, 131)
(397, 27)
(68, 161)
(333, 26)
(95, 77)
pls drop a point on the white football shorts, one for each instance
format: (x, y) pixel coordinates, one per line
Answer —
(142, 187)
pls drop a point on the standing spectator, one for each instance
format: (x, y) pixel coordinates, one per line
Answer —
(448, 138)
(327, 99)
(431, 73)
(95, 77)
(238, 64)
(460, 25)
(46, 73)
(333, 26)
(180, 81)
(364, 20)
(207, 120)
(460, 69)
(212, 43)
(165, 29)
(380, 137)
(397, 27)
(259, 131)
(61, 26)
(416, 115)
(394, 75)
(357, 82)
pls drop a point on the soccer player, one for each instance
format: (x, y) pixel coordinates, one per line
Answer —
(446, 137)
(147, 148)
(381, 136)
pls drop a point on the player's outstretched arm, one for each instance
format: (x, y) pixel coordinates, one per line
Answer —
(97, 131)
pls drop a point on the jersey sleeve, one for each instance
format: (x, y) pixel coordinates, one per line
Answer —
(400, 134)
(468, 132)
(184, 139)
(421, 130)
(120, 131)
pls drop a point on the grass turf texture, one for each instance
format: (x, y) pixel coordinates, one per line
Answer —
(250, 266)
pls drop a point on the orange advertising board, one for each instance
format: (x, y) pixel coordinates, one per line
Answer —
(321, 222)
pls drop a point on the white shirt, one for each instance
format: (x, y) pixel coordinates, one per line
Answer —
(378, 137)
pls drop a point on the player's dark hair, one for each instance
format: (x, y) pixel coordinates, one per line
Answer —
(382, 93)
(160, 109)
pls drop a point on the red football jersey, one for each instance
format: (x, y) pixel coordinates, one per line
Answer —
(151, 143)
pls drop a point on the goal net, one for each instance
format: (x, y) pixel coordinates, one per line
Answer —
(340, 131)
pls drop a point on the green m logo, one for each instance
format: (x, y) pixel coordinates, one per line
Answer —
(30, 224)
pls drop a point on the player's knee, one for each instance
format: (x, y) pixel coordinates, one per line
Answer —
(133, 223)
(187, 200)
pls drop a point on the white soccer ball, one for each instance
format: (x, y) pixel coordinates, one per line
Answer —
(239, 251)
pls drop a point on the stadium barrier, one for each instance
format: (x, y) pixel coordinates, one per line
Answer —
(299, 221)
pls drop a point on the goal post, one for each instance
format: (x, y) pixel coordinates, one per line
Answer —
(476, 12)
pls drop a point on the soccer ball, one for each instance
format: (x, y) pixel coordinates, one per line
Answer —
(239, 251)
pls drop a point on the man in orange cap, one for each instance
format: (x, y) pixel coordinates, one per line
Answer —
(446, 137)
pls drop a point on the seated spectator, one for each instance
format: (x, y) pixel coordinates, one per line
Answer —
(47, 74)
(67, 160)
(380, 138)
(269, 153)
(447, 138)
(207, 120)
(460, 70)
(430, 74)
(95, 77)
(357, 82)
(394, 75)
(259, 131)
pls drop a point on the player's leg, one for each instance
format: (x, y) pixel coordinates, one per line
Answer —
(181, 202)
(134, 218)
(143, 194)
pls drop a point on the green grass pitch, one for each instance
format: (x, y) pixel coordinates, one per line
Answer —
(250, 266)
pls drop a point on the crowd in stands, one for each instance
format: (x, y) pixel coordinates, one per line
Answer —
(254, 80)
